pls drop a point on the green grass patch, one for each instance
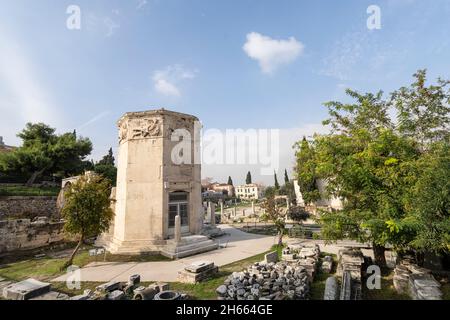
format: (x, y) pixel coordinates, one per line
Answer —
(48, 268)
(40, 269)
(28, 191)
(387, 291)
(445, 291)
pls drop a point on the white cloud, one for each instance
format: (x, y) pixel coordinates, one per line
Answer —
(360, 51)
(141, 4)
(272, 53)
(103, 24)
(111, 26)
(166, 81)
(166, 88)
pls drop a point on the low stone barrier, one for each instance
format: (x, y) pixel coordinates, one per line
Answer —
(23, 234)
(27, 207)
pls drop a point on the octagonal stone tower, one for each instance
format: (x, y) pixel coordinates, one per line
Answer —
(152, 190)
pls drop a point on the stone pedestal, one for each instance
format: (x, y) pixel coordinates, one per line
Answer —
(197, 272)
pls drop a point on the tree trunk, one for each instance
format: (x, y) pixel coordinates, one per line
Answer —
(33, 177)
(378, 252)
(280, 238)
(72, 256)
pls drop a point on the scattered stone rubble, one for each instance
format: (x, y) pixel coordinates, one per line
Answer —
(32, 289)
(197, 272)
(272, 280)
(416, 281)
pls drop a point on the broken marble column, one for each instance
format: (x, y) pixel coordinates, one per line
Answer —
(221, 208)
(177, 234)
(288, 204)
(213, 213)
(331, 289)
(253, 207)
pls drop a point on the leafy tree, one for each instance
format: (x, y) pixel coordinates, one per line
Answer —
(230, 181)
(269, 191)
(107, 171)
(43, 151)
(298, 213)
(275, 214)
(286, 177)
(276, 184)
(393, 176)
(423, 111)
(306, 171)
(106, 167)
(87, 210)
(248, 179)
(429, 202)
(107, 159)
(288, 190)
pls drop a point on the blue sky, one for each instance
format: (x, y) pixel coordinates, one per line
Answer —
(190, 56)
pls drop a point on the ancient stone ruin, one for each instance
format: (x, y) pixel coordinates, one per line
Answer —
(32, 289)
(349, 268)
(24, 234)
(197, 272)
(416, 281)
(153, 189)
(272, 280)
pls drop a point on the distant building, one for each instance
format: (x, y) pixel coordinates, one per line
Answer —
(226, 189)
(4, 147)
(250, 191)
(212, 195)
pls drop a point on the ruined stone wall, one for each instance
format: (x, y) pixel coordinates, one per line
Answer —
(22, 234)
(27, 207)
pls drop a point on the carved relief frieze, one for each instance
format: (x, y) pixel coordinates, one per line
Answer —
(140, 128)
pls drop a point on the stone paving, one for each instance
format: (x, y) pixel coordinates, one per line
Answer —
(234, 246)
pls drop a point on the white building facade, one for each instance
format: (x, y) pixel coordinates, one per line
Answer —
(250, 191)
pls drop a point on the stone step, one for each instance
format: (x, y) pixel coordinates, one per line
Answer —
(174, 251)
(190, 246)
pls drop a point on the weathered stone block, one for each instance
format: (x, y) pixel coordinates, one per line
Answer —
(199, 266)
(116, 295)
(52, 295)
(108, 287)
(271, 257)
(134, 279)
(25, 290)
